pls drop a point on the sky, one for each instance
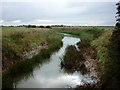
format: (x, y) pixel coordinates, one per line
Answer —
(66, 12)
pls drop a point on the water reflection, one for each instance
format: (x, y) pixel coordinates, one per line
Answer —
(50, 75)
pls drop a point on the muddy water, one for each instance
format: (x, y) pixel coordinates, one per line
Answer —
(50, 74)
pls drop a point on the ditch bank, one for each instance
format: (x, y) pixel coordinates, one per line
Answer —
(8, 62)
(19, 43)
(83, 60)
(20, 69)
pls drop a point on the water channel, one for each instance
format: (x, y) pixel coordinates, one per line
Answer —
(50, 74)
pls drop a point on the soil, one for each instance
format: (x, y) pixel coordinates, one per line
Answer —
(92, 65)
(91, 62)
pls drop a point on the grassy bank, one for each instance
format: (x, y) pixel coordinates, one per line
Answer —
(105, 42)
(26, 66)
(101, 44)
(108, 53)
(17, 41)
(75, 60)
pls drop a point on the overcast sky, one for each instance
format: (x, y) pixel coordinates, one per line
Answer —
(68, 12)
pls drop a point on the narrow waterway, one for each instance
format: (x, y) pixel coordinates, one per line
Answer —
(50, 74)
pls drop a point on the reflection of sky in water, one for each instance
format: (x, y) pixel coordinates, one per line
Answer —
(49, 75)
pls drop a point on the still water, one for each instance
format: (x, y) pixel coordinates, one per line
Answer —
(50, 74)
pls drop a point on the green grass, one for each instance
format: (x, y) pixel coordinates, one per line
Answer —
(101, 45)
(24, 39)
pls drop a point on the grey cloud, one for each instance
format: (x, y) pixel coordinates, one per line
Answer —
(63, 13)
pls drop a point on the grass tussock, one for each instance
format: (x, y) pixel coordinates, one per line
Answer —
(73, 60)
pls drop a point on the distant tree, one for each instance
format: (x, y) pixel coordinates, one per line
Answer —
(31, 26)
(118, 15)
(41, 27)
(48, 26)
(61, 25)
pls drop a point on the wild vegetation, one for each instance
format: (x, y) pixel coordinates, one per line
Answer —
(73, 60)
(99, 43)
(104, 42)
(112, 63)
(99, 47)
(85, 33)
(18, 41)
(108, 53)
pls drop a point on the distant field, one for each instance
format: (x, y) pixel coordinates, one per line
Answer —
(84, 33)
(87, 27)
